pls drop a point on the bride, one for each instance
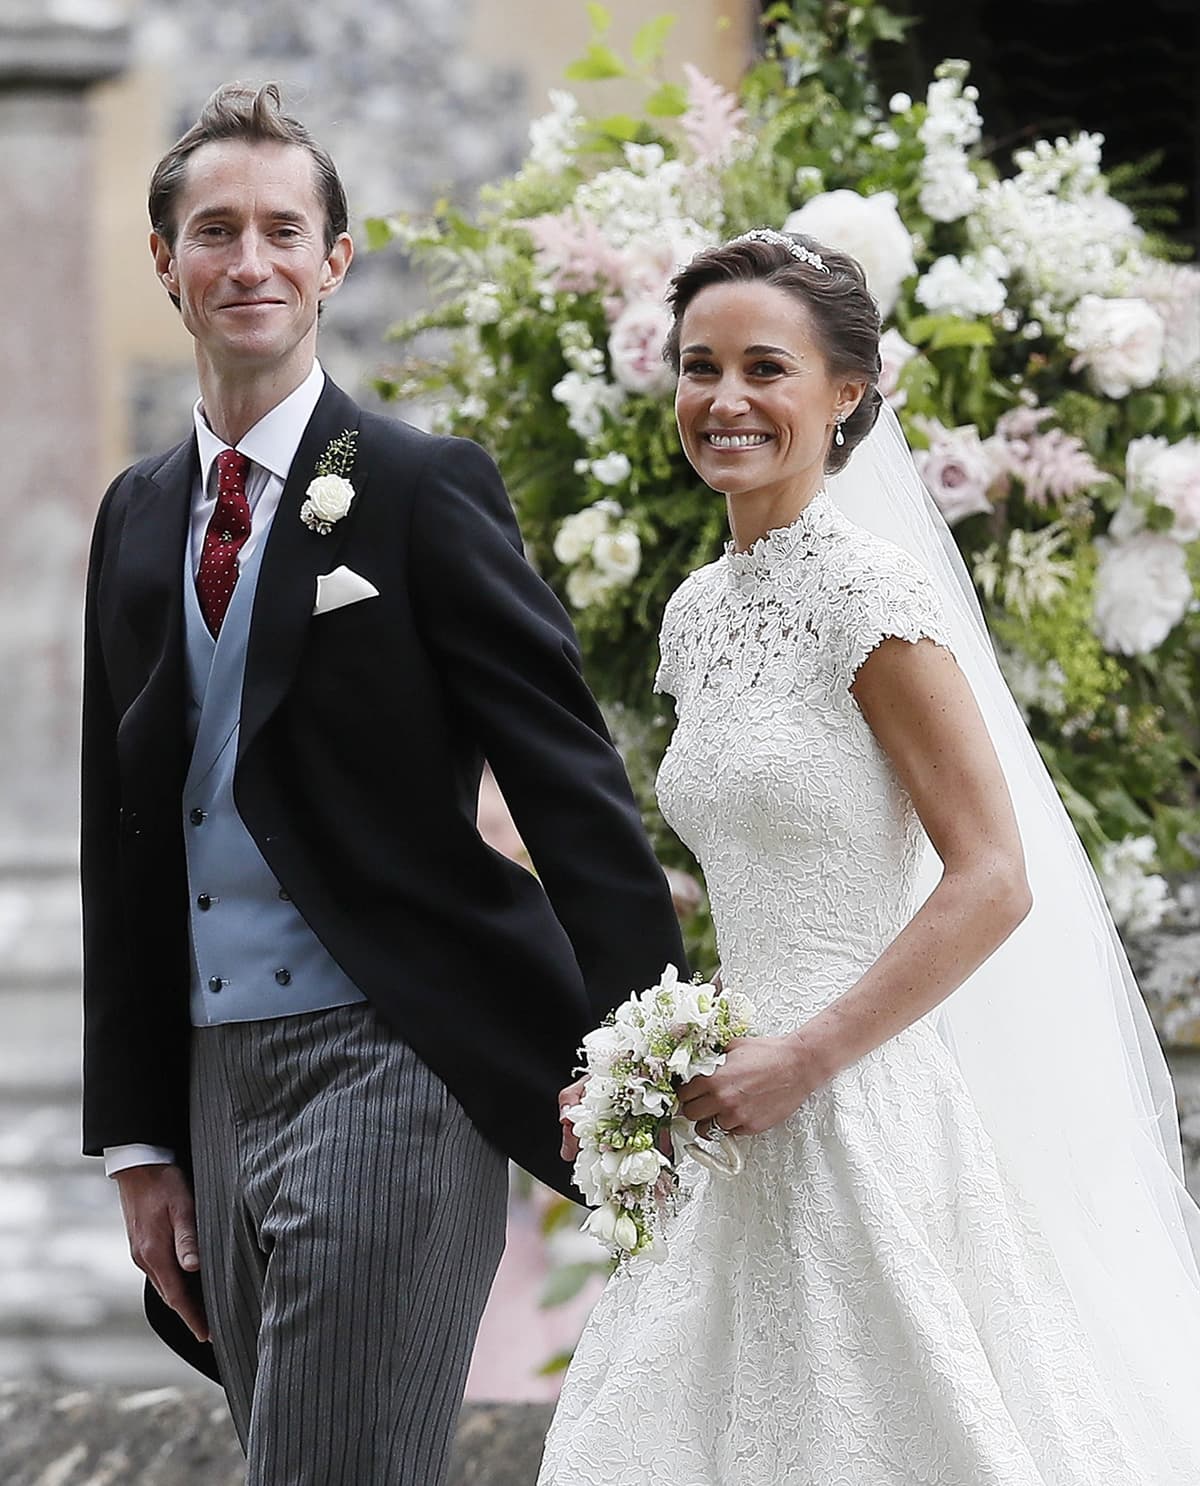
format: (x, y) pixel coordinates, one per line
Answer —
(959, 1252)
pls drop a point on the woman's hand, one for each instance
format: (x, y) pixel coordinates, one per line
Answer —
(762, 1081)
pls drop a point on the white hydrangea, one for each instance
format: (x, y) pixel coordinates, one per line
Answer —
(482, 304)
(951, 118)
(1137, 898)
(949, 186)
(1142, 592)
(554, 136)
(1061, 246)
(971, 286)
(588, 400)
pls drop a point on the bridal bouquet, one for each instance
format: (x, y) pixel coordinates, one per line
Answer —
(636, 1062)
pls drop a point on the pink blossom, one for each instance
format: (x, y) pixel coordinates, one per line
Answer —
(635, 347)
(1051, 466)
(713, 121)
(572, 253)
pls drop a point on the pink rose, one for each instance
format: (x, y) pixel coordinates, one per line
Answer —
(635, 348)
(958, 469)
(894, 354)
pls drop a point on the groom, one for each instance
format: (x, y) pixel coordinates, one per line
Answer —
(314, 999)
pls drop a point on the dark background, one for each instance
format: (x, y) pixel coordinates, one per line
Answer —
(1130, 71)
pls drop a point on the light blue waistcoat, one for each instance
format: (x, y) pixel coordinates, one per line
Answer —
(253, 956)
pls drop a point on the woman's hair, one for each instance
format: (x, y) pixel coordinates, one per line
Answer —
(254, 115)
(841, 311)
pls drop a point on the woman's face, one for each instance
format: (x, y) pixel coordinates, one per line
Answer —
(755, 401)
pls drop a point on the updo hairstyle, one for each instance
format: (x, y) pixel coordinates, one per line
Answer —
(843, 315)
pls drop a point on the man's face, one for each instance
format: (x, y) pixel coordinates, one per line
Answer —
(248, 263)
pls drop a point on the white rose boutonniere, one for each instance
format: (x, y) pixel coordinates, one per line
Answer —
(330, 494)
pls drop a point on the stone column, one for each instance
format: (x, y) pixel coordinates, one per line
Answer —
(48, 468)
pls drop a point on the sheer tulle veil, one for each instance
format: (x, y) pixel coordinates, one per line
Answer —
(1055, 1043)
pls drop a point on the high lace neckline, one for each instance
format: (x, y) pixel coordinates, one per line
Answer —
(776, 548)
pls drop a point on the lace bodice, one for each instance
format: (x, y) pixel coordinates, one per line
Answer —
(809, 844)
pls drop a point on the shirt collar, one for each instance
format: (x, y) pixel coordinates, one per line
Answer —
(274, 439)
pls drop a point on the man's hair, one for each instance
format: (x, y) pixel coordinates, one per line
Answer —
(255, 115)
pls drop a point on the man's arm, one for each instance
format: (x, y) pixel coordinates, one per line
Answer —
(510, 656)
(156, 1200)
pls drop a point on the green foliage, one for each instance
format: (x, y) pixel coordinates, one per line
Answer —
(528, 286)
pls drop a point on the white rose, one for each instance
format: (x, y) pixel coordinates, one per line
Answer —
(894, 355)
(1142, 592)
(869, 229)
(957, 470)
(1119, 341)
(1170, 475)
(618, 555)
(635, 347)
(613, 469)
(640, 1167)
(329, 497)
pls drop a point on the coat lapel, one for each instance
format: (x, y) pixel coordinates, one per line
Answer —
(292, 558)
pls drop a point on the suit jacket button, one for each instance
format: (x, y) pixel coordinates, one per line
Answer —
(283, 976)
(197, 817)
(203, 902)
(215, 983)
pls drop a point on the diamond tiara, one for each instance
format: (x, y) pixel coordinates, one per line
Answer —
(782, 240)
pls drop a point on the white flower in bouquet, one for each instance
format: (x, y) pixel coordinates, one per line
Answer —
(1173, 289)
(1119, 343)
(970, 287)
(958, 470)
(1142, 592)
(1170, 475)
(894, 355)
(650, 1045)
(554, 136)
(869, 228)
(1138, 898)
(635, 346)
(618, 555)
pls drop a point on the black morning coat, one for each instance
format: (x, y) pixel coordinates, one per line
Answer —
(363, 734)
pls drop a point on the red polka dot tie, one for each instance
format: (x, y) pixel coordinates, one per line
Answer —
(227, 530)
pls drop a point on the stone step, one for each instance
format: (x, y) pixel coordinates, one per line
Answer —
(183, 1437)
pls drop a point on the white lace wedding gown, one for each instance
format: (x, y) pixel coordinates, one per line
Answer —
(864, 1305)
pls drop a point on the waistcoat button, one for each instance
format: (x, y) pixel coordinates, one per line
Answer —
(203, 902)
(283, 976)
(215, 983)
(197, 817)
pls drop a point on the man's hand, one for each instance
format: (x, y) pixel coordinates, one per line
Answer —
(569, 1097)
(160, 1220)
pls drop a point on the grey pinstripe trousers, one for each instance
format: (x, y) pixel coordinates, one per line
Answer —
(351, 1219)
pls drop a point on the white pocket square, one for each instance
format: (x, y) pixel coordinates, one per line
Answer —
(341, 587)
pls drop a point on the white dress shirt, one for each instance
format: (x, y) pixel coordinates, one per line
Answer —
(270, 446)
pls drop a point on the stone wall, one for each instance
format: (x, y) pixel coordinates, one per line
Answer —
(178, 1437)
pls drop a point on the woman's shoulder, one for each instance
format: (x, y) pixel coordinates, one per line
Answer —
(692, 593)
(871, 567)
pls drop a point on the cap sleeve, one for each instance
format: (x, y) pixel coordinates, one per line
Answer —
(894, 598)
